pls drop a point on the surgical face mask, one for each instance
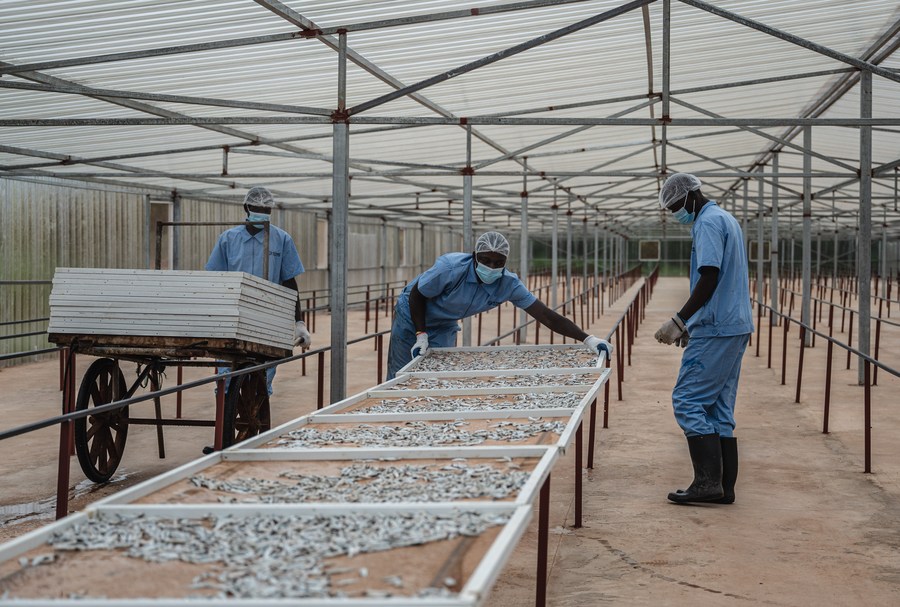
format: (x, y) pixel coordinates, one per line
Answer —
(257, 217)
(682, 215)
(488, 275)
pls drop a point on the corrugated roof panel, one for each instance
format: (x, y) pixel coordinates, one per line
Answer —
(606, 61)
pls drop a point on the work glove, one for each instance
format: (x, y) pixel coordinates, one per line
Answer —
(421, 346)
(682, 341)
(301, 335)
(671, 330)
(598, 346)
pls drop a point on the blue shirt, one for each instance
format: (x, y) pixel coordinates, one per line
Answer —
(719, 243)
(239, 251)
(454, 291)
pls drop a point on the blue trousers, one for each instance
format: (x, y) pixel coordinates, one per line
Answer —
(705, 393)
(403, 338)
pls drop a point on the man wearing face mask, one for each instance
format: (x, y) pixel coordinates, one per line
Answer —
(460, 285)
(240, 249)
(714, 327)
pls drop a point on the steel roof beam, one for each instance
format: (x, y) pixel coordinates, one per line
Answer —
(779, 140)
(495, 57)
(205, 101)
(303, 34)
(474, 120)
(807, 44)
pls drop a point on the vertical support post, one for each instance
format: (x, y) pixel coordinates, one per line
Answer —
(569, 250)
(379, 345)
(864, 247)
(828, 361)
(592, 433)
(523, 252)
(746, 192)
(800, 364)
(807, 235)
(540, 599)
(606, 397)
(666, 84)
(773, 251)
(579, 447)
(760, 211)
(65, 440)
(468, 236)
(867, 411)
(605, 266)
(596, 290)
(220, 414)
(384, 255)
(554, 255)
(179, 380)
(338, 242)
(176, 234)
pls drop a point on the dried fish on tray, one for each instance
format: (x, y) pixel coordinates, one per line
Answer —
(415, 433)
(517, 357)
(422, 381)
(497, 402)
(252, 554)
(373, 483)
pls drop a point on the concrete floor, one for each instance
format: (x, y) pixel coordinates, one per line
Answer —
(809, 527)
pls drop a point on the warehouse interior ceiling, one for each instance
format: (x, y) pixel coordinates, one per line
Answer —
(584, 104)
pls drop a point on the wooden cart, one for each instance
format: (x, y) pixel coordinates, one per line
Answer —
(100, 439)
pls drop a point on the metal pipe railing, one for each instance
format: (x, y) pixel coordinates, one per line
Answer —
(868, 362)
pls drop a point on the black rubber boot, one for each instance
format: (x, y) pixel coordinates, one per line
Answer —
(706, 455)
(729, 468)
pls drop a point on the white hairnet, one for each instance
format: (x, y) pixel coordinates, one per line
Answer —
(492, 242)
(676, 188)
(258, 196)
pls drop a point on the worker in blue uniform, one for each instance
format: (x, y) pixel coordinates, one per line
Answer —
(460, 285)
(240, 249)
(714, 327)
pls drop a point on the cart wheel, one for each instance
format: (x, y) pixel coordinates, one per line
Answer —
(246, 408)
(100, 439)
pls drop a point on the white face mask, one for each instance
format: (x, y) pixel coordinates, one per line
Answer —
(257, 217)
(488, 275)
(682, 215)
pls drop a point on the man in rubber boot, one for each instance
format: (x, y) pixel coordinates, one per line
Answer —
(714, 327)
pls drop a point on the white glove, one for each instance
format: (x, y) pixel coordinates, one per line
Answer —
(598, 346)
(301, 335)
(421, 346)
(682, 341)
(671, 330)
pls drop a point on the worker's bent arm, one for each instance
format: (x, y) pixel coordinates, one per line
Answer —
(706, 285)
(291, 283)
(417, 303)
(554, 321)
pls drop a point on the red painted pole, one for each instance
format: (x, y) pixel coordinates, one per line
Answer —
(579, 446)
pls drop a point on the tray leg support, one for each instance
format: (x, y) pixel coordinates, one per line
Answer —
(540, 598)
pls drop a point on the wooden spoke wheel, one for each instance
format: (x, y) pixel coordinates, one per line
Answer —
(100, 439)
(246, 408)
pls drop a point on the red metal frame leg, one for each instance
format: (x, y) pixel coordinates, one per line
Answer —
(540, 598)
(220, 413)
(579, 446)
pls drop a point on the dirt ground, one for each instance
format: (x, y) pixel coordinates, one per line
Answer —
(808, 527)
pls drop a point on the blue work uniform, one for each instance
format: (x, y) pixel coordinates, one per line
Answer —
(454, 292)
(237, 250)
(705, 393)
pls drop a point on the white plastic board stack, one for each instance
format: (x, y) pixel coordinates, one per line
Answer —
(172, 303)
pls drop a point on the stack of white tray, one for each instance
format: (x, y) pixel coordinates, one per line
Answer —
(172, 303)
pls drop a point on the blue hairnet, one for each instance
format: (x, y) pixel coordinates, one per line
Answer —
(258, 196)
(676, 188)
(492, 242)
